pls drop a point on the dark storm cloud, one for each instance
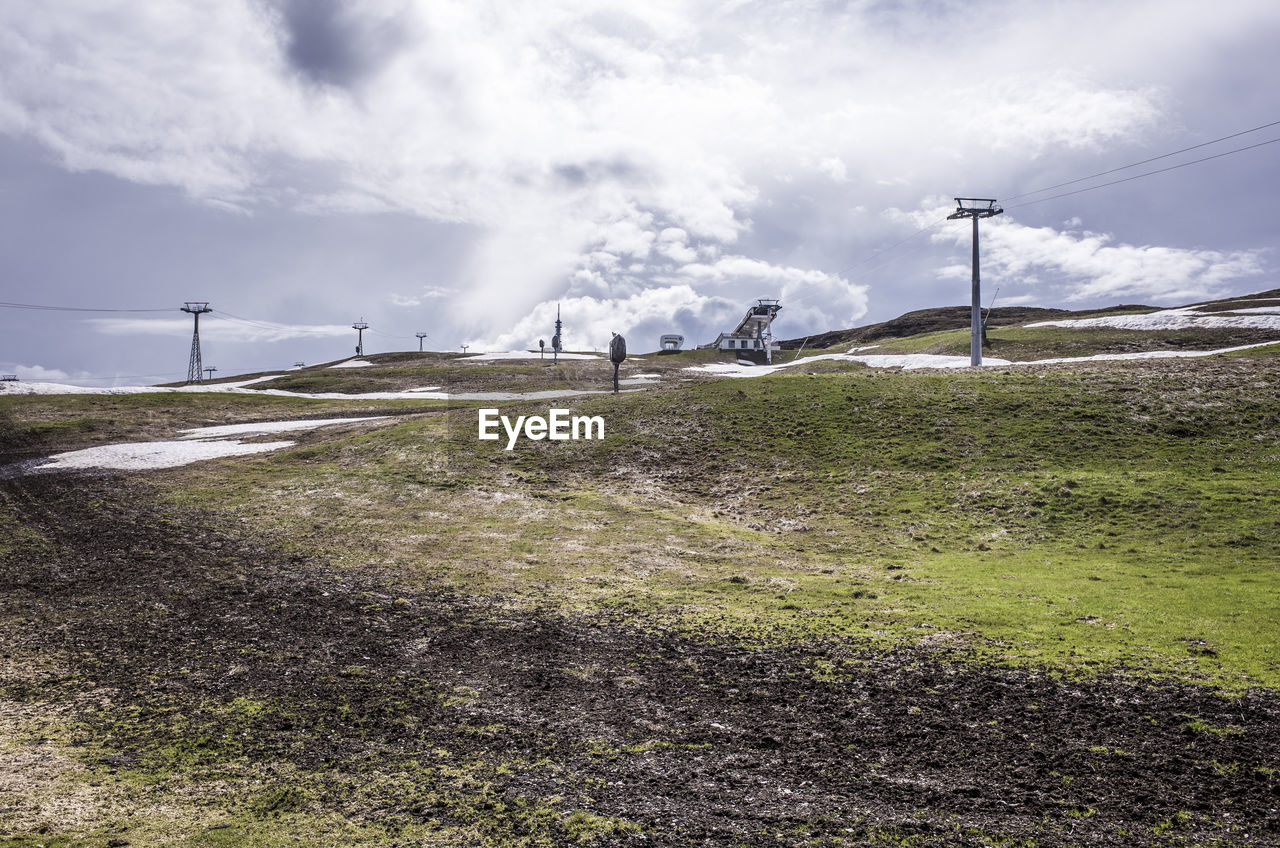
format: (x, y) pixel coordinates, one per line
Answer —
(331, 43)
(581, 174)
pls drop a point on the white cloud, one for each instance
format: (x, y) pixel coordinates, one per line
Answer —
(36, 372)
(834, 167)
(232, 331)
(423, 295)
(673, 244)
(1084, 265)
(589, 321)
(696, 299)
(603, 151)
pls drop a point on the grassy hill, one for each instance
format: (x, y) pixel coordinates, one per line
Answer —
(833, 605)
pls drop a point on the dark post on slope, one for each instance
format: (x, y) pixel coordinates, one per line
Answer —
(557, 340)
(975, 208)
(617, 355)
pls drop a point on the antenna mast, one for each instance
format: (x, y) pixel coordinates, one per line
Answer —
(194, 365)
(555, 340)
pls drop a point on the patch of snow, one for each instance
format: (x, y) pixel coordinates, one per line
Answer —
(1257, 310)
(908, 362)
(144, 455)
(640, 380)
(200, 443)
(43, 388)
(524, 354)
(352, 363)
(1182, 318)
(912, 361)
(265, 427)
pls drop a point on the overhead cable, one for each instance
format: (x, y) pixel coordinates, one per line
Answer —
(1143, 174)
(8, 305)
(1143, 162)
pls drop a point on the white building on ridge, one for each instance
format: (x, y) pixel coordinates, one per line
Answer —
(753, 332)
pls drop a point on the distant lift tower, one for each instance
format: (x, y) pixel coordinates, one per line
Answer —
(360, 326)
(194, 365)
(420, 336)
(975, 208)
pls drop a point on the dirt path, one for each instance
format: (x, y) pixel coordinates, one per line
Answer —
(696, 741)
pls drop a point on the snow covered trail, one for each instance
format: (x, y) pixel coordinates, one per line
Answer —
(197, 444)
(422, 393)
(525, 354)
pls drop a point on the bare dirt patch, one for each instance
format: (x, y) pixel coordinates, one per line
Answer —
(426, 708)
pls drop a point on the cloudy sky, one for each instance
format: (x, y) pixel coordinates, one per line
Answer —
(460, 167)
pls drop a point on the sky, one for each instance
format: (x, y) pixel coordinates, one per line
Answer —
(465, 168)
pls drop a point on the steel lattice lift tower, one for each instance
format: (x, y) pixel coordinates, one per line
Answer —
(194, 365)
(975, 208)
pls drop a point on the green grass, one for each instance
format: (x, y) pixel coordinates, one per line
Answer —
(1079, 521)
(1026, 344)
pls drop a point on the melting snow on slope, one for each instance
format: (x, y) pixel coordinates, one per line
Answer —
(143, 455)
(1182, 318)
(906, 361)
(912, 361)
(199, 443)
(42, 388)
(523, 354)
(352, 363)
(264, 427)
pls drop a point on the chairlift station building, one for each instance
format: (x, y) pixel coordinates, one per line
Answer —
(752, 332)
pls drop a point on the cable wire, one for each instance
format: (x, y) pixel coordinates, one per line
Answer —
(8, 305)
(1143, 162)
(1144, 174)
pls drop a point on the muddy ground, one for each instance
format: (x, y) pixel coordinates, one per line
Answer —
(150, 622)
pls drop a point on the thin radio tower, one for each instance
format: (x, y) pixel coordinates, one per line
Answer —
(556, 340)
(975, 208)
(420, 336)
(194, 365)
(360, 326)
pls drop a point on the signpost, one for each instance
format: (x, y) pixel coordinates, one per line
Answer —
(617, 355)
